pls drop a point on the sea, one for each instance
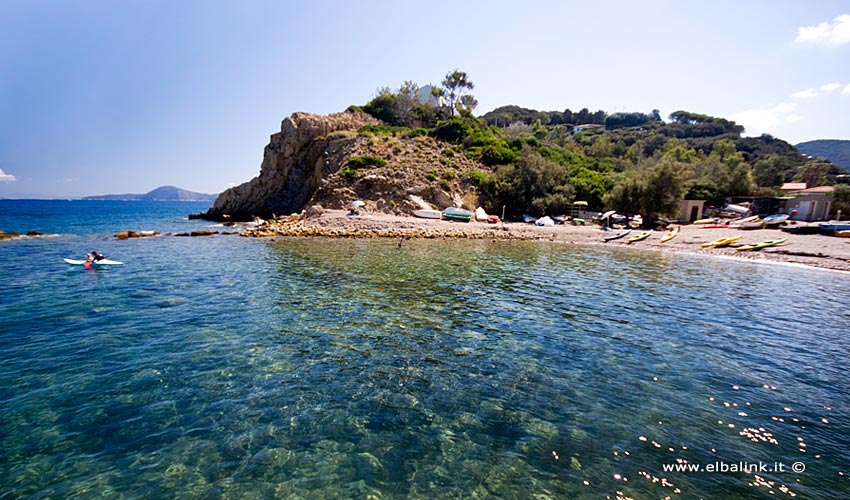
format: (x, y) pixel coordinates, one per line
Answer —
(232, 367)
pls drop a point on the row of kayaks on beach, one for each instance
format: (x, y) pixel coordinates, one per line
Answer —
(718, 243)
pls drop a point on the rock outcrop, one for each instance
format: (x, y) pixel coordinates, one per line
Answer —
(307, 148)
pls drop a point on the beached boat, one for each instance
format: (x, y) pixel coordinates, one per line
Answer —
(744, 220)
(638, 237)
(481, 215)
(458, 214)
(833, 227)
(618, 235)
(428, 214)
(775, 220)
(763, 244)
(845, 233)
(714, 226)
(756, 224)
(544, 221)
(721, 242)
(669, 235)
(712, 220)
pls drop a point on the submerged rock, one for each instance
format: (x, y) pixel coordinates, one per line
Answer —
(126, 234)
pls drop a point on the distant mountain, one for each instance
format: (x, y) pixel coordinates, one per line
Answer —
(835, 150)
(164, 193)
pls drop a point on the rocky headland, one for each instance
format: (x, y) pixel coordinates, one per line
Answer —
(324, 160)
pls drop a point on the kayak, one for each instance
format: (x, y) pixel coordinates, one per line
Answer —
(715, 226)
(745, 220)
(640, 236)
(618, 235)
(756, 224)
(763, 244)
(711, 220)
(102, 262)
(428, 214)
(722, 242)
(669, 235)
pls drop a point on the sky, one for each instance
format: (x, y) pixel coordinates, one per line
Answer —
(105, 97)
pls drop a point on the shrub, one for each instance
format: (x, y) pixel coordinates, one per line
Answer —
(431, 176)
(449, 174)
(497, 155)
(476, 177)
(365, 161)
(417, 132)
(348, 173)
(446, 185)
(342, 134)
(382, 129)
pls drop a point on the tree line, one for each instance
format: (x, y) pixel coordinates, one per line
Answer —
(539, 163)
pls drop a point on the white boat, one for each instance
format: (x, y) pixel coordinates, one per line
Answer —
(545, 221)
(102, 262)
(428, 214)
(481, 215)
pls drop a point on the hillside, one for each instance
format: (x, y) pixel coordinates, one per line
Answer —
(163, 193)
(835, 150)
(397, 153)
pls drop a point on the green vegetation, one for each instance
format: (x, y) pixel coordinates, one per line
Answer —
(357, 162)
(365, 161)
(841, 199)
(539, 162)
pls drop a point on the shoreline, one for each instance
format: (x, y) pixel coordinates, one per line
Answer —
(813, 251)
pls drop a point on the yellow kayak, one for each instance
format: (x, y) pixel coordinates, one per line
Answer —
(722, 242)
(669, 235)
(638, 237)
(763, 244)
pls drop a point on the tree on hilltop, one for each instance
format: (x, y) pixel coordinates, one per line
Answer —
(455, 87)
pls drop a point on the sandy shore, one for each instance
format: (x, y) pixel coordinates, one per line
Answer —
(811, 250)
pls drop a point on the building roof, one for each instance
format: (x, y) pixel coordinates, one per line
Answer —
(794, 186)
(816, 190)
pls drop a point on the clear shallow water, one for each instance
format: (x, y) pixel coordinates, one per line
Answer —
(229, 367)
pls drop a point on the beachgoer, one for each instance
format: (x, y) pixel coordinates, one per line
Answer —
(94, 257)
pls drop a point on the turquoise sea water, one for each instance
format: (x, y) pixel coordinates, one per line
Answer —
(228, 367)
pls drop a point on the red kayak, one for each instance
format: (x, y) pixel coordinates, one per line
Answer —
(715, 226)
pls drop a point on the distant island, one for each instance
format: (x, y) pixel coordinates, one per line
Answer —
(163, 193)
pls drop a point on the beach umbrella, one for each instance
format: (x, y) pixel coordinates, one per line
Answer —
(358, 203)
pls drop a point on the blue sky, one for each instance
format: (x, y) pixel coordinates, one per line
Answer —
(111, 97)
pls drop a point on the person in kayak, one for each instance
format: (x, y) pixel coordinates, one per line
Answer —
(94, 256)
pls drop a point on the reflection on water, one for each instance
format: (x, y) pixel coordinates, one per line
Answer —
(352, 369)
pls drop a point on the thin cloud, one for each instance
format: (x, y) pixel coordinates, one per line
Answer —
(833, 33)
(767, 119)
(4, 177)
(846, 89)
(829, 87)
(805, 94)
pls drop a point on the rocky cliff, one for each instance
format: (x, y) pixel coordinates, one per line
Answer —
(307, 147)
(323, 160)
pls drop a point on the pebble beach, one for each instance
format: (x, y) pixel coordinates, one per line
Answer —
(814, 250)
